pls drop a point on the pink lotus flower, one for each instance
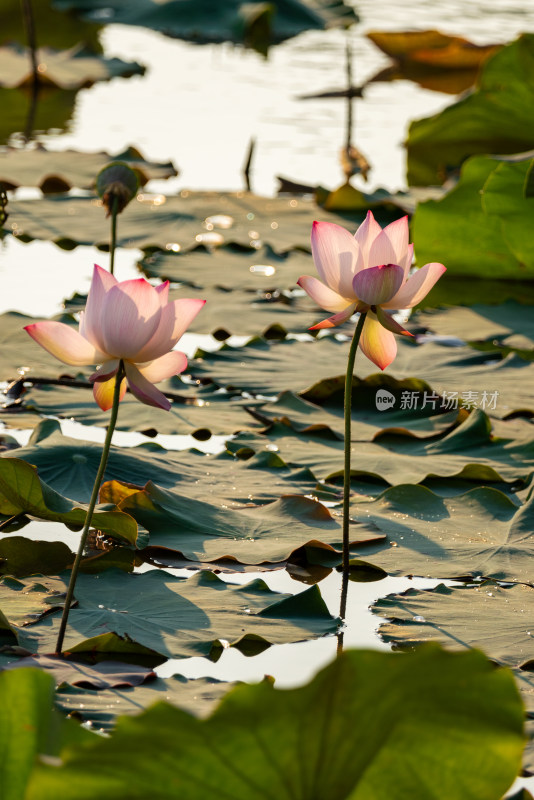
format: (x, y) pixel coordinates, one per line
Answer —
(132, 321)
(367, 272)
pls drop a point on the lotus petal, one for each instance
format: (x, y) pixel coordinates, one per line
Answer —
(377, 343)
(377, 285)
(130, 317)
(145, 391)
(337, 319)
(64, 343)
(324, 296)
(335, 253)
(174, 320)
(163, 367)
(416, 287)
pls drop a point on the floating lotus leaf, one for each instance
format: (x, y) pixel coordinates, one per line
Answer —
(157, 613)
(469, 452)
(480, 533)
(269, 533)
(60, 171)
(368, 422)
(67, 69)
(496, 118)
(498, 386)
(70, 467)
(201, 414)
(106, 675)
(478, 228)
(252, 23)
(369, 725)
(22, 491)
(102, 707)
(250, 313)
(434, 60)
(431, 48)
(160, 222)
(24, 602)
(508, 326)
(21, 557)
(494, 618)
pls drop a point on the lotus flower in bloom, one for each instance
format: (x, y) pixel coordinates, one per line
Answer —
(367, 272)
(128, 320)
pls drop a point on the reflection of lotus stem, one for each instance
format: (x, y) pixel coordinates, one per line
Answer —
(346, 468)
(29, 24)
(91, 507)
(113, 243)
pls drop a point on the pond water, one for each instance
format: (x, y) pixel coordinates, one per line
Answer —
(200, 106)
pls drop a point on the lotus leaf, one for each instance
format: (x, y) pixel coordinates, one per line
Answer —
(479, 226)
(175, 222)
(22, 491)
(252, 23)
(158, 614)
(269, 533)
(497, 117)
(67, 69)
(480, 533)
(463, 617)
(370, 725)
(53, 171)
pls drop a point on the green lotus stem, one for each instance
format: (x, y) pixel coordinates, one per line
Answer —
(91, 508)
(346, 467)
(113, 242)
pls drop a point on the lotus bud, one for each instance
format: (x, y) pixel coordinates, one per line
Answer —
(116, 184)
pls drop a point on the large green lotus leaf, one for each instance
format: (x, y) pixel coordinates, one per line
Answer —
(66, 69)
(494, 618)
(252, 23)
(230, 267)
(157, 613)
(159, 222)
(270, 533)
(268, 368)
(497, 117)
(203, 413)
(460, 231)
(370, 725)
(469, 451)
(469, 292)
(49, 169)
(30, 726)
(499, 386)
(102, 707)
(508, 325)
(480, 533)
(52, 110)
(22, 491)
(367, 421)
(54, 29)
(70, 467)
